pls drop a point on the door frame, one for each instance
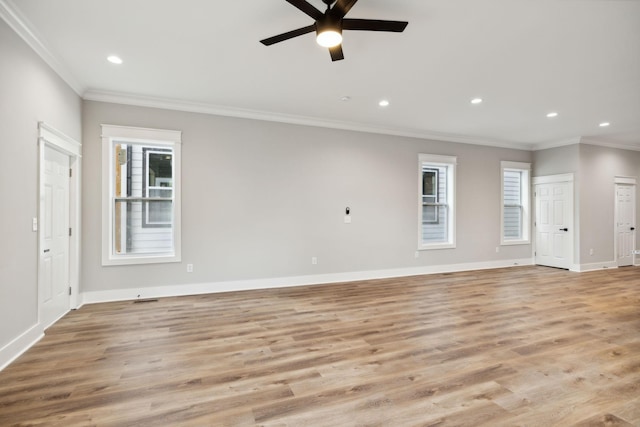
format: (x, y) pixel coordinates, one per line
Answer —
(53, 138)
(556, 179)
(623, 180)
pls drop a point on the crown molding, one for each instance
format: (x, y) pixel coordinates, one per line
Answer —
(18, 23)
(609, 144)
(555, 144)
(218, 110)
(585, 141)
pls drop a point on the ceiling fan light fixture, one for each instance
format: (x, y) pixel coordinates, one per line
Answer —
(329, 38)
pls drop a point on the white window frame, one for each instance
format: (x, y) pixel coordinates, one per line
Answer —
(450, 163)
(133, 135)
(525, 170)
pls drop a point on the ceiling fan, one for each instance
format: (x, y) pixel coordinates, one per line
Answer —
(329, 25)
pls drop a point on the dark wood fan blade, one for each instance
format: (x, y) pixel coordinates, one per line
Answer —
(336, 53)
(342, 7)
(374, 25)
(307, 8)
(288, 35)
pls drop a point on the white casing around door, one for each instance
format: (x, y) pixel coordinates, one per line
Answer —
(625, 234)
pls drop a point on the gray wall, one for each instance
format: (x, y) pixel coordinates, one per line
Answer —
(599, 166)
(29, 92)
(555, 161)
(261, 198)
(595, 168)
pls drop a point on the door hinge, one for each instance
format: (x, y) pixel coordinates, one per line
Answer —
(70, 173)
(70, 233)
(69, 290)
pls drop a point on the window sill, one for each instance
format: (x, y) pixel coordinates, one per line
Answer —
(515, 242)
(140, 260)
(437, 246)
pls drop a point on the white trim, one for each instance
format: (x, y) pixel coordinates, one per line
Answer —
(526, 197)
(19, 345)
(50, 136)
(437, 159)
(451, 163)
(18, 23)
(609, 144)
(555, 144)
(59, 139)
(515, 165)
(585, 141)
(628, 180)
(573, 232)
(129, 133)
(594, 266)
(173, 138)
(548, 179)
(285, 282)
(226, 111)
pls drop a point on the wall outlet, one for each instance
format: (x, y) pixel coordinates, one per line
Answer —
(497, 249)
(591, 251)
(314, 260)
(416, 254)
(189, 268)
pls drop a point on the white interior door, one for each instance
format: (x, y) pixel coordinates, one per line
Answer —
(53, 292)
(625, 224)
(554, 224)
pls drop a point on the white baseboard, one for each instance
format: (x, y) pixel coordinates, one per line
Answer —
(596, 266)
(22, 343)
(283, 282)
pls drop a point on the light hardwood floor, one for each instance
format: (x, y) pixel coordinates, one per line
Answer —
(525, 346)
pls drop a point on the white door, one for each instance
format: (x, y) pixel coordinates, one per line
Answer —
(554, 224)
(625, 224)
(53, 272)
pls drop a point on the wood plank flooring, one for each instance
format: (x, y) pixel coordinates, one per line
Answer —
(525, 346)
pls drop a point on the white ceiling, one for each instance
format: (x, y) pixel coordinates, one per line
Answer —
(525, 58)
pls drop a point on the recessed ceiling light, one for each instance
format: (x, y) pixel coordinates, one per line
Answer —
(552, 115)
(604, 124)
(383, 103)
(114, 59)
(345, 98)
(476, 101)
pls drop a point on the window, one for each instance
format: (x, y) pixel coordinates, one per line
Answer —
(515, 203)
(157, 183)
(437, 202)
(141, 195)
(430, 196)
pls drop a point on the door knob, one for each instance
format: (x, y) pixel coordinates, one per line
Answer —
(633, 228)
(564, 229)
(46, 250)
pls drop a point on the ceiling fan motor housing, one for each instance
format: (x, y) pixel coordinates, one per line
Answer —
(329, 23)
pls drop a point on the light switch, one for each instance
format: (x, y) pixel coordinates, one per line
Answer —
(34, 224)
